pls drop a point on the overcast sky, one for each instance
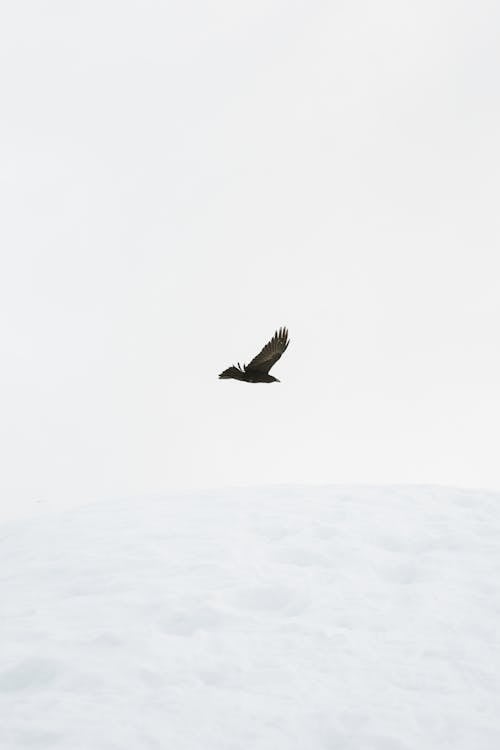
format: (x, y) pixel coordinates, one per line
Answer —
(181, 178)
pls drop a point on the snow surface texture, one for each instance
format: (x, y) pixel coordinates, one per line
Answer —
(274, 619)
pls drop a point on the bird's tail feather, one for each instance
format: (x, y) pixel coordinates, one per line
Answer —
(232, 372)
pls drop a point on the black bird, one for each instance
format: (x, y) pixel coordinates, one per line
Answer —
(258, 369)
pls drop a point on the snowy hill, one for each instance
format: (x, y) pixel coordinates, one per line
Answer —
(273, 619)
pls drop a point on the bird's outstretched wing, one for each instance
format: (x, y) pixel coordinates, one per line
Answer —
(270, 354)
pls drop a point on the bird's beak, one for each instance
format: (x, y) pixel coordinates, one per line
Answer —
(278, 381)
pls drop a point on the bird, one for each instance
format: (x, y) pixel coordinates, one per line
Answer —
(257, 371)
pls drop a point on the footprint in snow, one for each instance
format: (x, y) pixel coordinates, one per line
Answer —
(30, 674)
(190, 621)
(270, 600)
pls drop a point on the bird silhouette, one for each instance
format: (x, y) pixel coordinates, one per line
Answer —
(257, 371)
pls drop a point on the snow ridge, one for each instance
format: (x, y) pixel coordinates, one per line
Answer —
(324, 618)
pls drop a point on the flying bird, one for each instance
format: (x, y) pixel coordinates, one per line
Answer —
(257, 371)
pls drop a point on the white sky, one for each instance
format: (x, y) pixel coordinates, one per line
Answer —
(181, 178)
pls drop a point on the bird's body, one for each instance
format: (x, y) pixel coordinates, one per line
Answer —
(257, 371)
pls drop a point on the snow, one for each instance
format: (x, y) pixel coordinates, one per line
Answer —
(284, 618)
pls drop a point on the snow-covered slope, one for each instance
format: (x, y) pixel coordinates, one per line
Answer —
(274, 619)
